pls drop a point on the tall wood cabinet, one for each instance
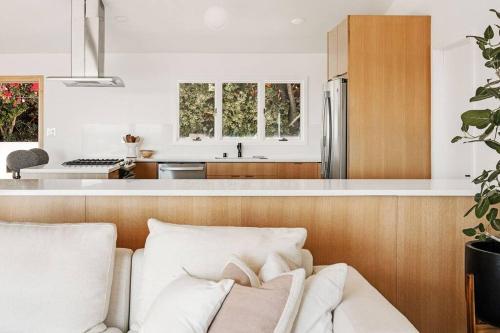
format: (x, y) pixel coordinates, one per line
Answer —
(386, 60)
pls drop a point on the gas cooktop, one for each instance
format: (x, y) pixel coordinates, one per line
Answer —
(93, 162)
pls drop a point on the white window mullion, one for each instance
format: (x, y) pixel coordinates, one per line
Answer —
(218, 114)
(261, 104)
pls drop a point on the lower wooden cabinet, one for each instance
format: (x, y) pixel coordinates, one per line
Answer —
(263, 170)
(146, 170)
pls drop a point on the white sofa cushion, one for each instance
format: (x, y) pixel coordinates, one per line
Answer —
(55, 278)
(186, 305)
(322, 293)
(364, 310)
(203, 251)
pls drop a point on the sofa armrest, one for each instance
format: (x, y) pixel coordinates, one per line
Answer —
(365, 310)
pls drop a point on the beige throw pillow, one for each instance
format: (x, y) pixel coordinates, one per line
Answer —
(272, 308)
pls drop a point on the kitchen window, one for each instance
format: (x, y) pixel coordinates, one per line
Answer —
(282, 110)
(268, 112)
(196, 110)
(239, 110)
(21, 106)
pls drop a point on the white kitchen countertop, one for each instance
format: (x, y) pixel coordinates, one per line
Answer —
(232, 159)
(240, 187)
(55, 167)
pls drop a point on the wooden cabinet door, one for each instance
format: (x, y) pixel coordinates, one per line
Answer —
(342, 46)
(299, 171)
(389, 97)
(146, 170)
(332, 43)
(241, 170)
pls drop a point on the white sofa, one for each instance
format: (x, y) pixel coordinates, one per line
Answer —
(363, 309)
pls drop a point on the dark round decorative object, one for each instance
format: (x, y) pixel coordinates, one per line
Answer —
(20, 159)
(482, 259)
(43, 157)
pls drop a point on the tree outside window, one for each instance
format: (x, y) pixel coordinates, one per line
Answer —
(239, 109)
(19, 111)
(282, 111)
(196, 109)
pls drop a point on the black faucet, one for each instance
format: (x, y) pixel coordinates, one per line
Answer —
(239, 146)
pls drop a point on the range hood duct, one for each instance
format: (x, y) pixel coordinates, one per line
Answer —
(87, 47)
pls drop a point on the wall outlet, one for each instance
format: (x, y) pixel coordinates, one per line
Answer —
(51, 131)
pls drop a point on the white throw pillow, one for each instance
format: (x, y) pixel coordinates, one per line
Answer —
(55, 278)
(275, 265)
(322, 293)
(187, 305)
(203, 252)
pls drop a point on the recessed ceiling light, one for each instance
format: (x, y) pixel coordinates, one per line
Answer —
(215, 18)
(297, 20)
(121, 19)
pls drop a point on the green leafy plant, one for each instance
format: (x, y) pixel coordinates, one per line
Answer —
(485, 128)
(18, 112)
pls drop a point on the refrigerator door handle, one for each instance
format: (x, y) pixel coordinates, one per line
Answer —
(323, 137)
(328, 136)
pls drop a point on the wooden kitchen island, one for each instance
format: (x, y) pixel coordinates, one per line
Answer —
(404, 236)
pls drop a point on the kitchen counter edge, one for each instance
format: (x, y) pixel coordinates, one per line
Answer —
(236, 188)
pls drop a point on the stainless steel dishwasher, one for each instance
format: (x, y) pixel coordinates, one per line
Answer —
(181, 170)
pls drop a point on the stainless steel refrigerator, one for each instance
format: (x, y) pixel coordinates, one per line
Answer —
(334, 137)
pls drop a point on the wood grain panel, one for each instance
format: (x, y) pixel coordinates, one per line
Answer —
(241, 169)
(342, 47)
(332, 62)
(337, 228)
(389, 97)
(431, 276)
(42, 209)
(146, 170)
(337, 231)
(299, 170)
(130, 214)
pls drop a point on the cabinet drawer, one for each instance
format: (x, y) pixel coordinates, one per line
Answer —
(244, 170)
(299, 170)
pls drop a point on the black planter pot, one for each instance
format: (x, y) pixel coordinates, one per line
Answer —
(482, 259)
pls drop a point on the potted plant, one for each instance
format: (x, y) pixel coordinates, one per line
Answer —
(482, 256)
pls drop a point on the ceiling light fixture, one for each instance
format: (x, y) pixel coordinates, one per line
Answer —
(297, 20)
(215, 18)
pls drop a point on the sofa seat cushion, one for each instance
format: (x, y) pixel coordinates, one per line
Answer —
(203, 251)
(55, 277)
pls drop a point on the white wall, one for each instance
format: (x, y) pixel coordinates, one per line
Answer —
(457, 71)
(90, 121)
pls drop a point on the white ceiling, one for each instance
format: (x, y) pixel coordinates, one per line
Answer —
(35, 26)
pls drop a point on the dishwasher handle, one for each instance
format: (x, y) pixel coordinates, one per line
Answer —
(167, 168)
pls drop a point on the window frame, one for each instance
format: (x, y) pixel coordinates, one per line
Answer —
(260, 138)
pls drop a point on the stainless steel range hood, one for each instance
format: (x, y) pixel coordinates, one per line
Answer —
(87, 47)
